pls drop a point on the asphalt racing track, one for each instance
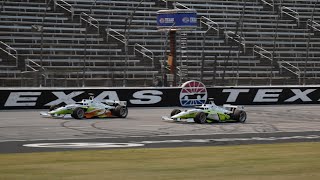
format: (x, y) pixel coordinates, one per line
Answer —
(26, 131)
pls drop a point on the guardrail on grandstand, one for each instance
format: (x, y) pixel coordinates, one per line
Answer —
(65, 6)
(28, 61)
(237, 38)
(291, 13)
(176, 4)
(143, 52)
(209, 23)
(291, 68)
(259, 50)
(89, 20)
(117, 35)
(30, 64)
(312, 24)
(10, 51)
(269, 4)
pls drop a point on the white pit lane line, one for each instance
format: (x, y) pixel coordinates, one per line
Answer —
(143, 143)
(231, 139)
(81, 145)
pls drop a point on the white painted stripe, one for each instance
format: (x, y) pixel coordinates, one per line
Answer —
(230, 139)
(149, 136)
(151, 125)
(83, 145)
(143, 143)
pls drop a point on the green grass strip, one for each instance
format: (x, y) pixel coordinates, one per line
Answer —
(294, 161)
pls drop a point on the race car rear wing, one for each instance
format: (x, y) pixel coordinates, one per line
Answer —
(232, 107)
(114, 102)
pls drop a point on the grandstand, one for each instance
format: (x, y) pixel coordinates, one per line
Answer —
(116, 43)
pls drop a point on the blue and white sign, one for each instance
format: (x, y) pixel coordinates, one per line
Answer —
(177, 18)
(193, 93)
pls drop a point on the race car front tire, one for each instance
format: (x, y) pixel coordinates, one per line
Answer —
(53, 107)
(240, 115)
(78, 113)
(200, 118)
(175, 111)
(121, 111)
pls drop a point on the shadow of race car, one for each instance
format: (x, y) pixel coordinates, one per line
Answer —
(89, 108)
(207, 113)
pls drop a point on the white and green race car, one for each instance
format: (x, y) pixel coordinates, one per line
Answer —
(208, 113)
(89, 108)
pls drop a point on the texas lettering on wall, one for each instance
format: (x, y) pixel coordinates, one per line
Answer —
(160, 97)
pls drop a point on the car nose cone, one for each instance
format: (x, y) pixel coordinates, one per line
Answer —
(179, 115)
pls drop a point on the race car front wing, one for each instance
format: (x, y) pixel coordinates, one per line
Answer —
(166, 118)
(45, 114)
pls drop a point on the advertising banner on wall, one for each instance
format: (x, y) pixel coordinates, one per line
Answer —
(17, 99)
(190, 94)
(176, 18)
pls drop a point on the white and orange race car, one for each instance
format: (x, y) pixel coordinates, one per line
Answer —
(89, 108)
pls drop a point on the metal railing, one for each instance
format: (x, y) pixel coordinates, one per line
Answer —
(89, 20)
(35, 68)
(210, 24)
(10, 51)
(282, 64)
(2, 6)
(314, 25)
(291, 68)
(291, 13)
(143, 51)
(259, 50)
(262, 52)
(176, 4)
(118, 36)
(28, 62)
(236, 38)
(269, 4)
(65, 6)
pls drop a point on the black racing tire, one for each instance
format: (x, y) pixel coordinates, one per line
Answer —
(78, 113)
(53, 107)
(240, 115)
(200, 118)
(174, 112)
(121, 111)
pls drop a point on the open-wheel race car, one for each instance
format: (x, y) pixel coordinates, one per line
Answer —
(89, 108)
(207, 113)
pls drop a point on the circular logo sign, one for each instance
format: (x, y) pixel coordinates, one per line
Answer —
(161, 20)
(185, 20)
(193, 93)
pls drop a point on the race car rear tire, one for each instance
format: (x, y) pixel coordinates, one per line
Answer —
(200, 118)
(240, 115)
(175, 111)
(78, 113)
(121, 111)
(53, 107)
